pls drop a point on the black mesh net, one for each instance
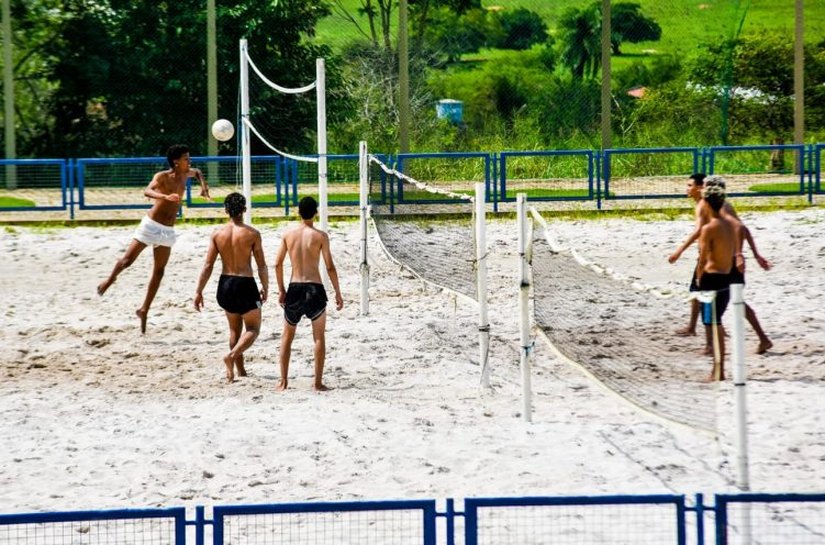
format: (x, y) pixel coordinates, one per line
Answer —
(438, 250)
(621, 335)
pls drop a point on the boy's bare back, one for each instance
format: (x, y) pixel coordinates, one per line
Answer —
(718, 244)
(305, 245)
(237, 244)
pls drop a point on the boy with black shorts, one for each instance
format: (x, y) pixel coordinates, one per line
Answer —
(306, 295)
(238, 295)
(717, 248)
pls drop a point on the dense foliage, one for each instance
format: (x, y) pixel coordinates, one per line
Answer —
(125, 78)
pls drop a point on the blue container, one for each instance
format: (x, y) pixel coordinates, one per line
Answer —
(451, 109)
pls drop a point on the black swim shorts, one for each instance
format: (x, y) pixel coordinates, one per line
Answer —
(693, 285)
(720, 283)
(238, 294)
(304, 299)
(736, 277)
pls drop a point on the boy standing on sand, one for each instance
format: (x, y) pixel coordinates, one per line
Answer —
(696, 184)
(306, 295)
(157, 226)
(238, 295)
(717, 246)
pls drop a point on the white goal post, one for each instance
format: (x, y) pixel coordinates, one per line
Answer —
(247, 127)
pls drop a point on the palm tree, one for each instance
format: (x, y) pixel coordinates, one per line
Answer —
(581, 41)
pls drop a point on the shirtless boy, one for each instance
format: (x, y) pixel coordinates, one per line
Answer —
(717, 246)
(696, 184)
(306, 296)
(157, 227)
(238, 295)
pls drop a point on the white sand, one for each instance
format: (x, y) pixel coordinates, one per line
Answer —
(94, 415)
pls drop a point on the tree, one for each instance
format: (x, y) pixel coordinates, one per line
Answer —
(627, 24)
(580, 39)
(520, 29)
(131, 76)
(35, 25)
(451, 35)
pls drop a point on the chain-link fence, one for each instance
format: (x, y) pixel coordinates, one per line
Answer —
(116, 78)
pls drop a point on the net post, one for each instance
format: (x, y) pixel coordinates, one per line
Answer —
(523, 306)
(363, 175)
(320, 92)
(481, 259)
(246, 159)
(740, 401)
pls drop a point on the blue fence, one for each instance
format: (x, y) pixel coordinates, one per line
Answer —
(786, 519)
(117, 526)
(778, 170)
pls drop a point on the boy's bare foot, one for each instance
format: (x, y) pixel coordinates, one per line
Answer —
(143, 315)
(321, 388)
(230, 375)
(686, 332)
(103, 286)
(764, 346)
(239, 366)
(281, 386)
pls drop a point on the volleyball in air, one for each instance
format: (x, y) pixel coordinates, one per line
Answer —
(223, 130)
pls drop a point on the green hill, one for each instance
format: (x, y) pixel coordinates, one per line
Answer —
(685, 23)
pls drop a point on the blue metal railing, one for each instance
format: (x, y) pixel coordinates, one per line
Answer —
(799, 174)
(558, 175)
(659, 519)
(127, 525)
(540, 192)
(371, 521)
(668, 512)
(49, 175)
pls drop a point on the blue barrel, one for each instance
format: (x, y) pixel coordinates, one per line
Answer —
(451, 109)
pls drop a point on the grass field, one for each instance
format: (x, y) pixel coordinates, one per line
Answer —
(686, 24)
(14, 202)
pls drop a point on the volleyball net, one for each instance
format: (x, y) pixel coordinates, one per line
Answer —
(619, 333)
(437, 250)
(450, 254)
(273, 113)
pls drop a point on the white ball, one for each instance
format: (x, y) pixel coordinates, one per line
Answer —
(223, 130)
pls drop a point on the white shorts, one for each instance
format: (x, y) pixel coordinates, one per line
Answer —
(153, 233)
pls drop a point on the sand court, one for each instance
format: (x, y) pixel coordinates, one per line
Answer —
(93, 415)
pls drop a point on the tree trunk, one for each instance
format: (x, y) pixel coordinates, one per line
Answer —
(777, 163)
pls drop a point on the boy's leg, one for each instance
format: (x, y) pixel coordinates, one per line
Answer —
(694, 317)
(287, 336)
(235, 326)
(319, 336)
(128, 258)
(719, 357)
(161, 255)
(765, 343)
(252, 321)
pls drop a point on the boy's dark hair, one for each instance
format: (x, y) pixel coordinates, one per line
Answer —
(175, 151)
(698, 178)
(234, 204)
(308, 207)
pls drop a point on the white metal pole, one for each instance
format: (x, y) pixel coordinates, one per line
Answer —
(320, 90)
(523, 306)
(246, 158)
(363, 174)
(739, 382)
(211, 85)
(481, 260)
(8, 97)
(740, 401)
